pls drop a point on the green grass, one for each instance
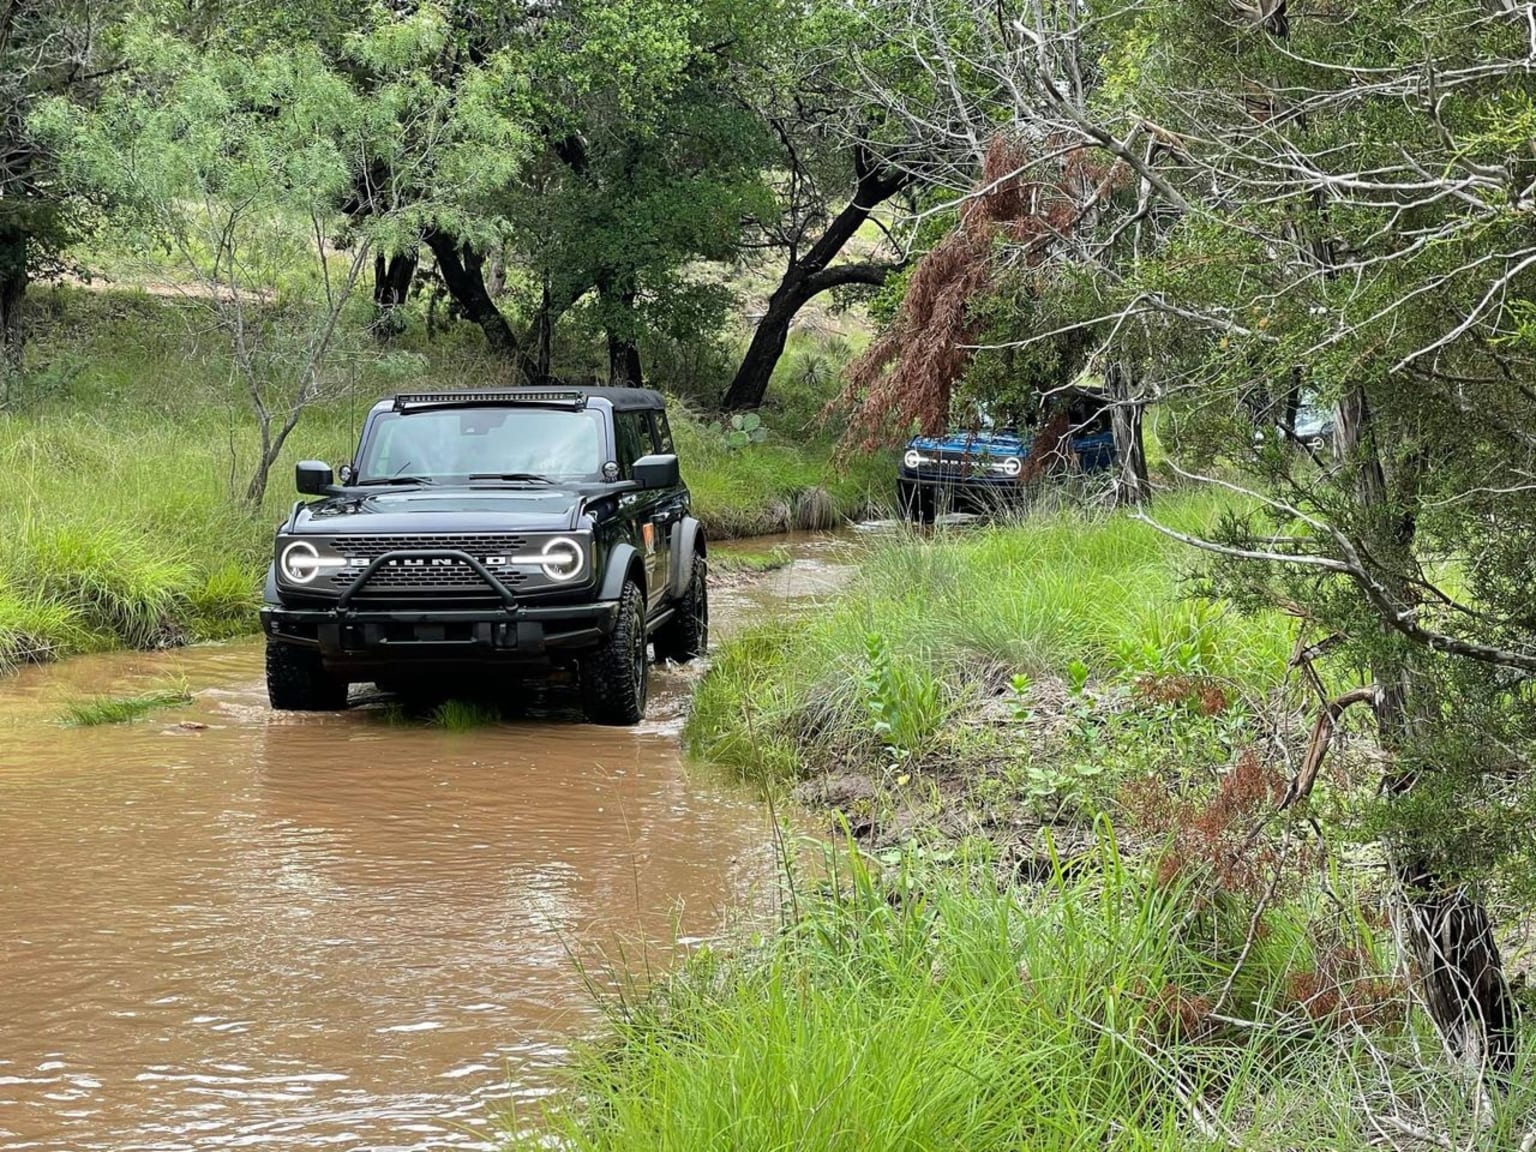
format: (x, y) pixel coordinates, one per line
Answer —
(126, 462)
(1080, 1015)
(462, 716)
(750, 563)
(776, 486)
(954, 617)
(123, 709)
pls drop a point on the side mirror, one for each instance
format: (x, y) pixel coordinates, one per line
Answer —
(314, 478)
(657, 471)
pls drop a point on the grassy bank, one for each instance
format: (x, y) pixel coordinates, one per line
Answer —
(1098, 1010)
(126, 460)
(1065, 913)
(1033, 667)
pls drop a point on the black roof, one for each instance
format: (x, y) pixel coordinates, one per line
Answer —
(622, 399)
(626, 399)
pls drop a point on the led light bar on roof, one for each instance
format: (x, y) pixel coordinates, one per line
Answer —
(569, 399)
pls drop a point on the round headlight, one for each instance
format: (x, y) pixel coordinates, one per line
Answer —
(563, 559)
(913, 458)
(300, 562)
(1012, 466)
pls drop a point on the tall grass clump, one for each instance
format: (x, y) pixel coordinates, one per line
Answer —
(963, 612)
(1095, 1012)
(34, 629)
(463, 715)
(127, 525)
(123, 709)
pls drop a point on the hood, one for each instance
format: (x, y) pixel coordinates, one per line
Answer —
(997, 443)
(417, 510)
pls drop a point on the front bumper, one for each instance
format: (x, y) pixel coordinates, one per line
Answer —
(351, 632)
(964, 491)
(520, 634)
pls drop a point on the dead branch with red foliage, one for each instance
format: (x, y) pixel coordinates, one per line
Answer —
(1017, 213)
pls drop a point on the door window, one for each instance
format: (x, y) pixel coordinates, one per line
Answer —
(634, 436)
(663, 432)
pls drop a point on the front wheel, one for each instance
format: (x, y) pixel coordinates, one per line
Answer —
(298, 682)
(686, 635)
(615, 676)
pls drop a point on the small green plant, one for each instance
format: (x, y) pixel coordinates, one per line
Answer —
(881, 699)
(462, 716)
(1019, 687)
(1054, 788)
(905, 705)
(123, 709)
(1077, 677)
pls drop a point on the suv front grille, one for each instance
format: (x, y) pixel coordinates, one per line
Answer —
(405, 578)
(954, 464)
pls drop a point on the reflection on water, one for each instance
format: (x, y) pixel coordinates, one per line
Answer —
(227, 927)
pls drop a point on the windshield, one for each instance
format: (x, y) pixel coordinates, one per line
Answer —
(455, 444)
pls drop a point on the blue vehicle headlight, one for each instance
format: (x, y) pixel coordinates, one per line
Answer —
(915, 459)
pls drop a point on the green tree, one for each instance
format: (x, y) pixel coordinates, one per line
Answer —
(1365, 240)
(1303, 205)
(651, 160)
(247, 168)
(49, 49)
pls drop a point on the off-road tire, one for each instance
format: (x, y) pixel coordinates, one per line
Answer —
(915, 503)
(686, 636)
(615, 676)
(298, 682)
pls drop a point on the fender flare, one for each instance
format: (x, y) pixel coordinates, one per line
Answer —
(621, 561)
(269, 589)
(687, 542)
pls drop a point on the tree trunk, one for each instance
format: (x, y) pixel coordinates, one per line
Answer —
(1450, 937)
(619, 322)
(462, 269)
(750, 384)
(392, 276)
(623, 363)
(808, 276)
(544, 334)
(1131, 484)
(13, 290)
(1460, 972)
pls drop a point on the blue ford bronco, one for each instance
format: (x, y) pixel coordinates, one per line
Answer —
(482, 537)
(983, 469)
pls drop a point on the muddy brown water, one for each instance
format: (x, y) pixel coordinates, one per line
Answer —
(226, 927)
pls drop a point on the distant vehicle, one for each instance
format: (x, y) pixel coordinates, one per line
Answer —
(484, 532)
(1313, 425)
(981, 470)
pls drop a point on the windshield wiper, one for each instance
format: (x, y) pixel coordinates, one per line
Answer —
(529, 477)
(383, 480)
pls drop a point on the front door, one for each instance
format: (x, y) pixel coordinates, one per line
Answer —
(650, 510)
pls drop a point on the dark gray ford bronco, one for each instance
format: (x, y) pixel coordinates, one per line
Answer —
(517, 531)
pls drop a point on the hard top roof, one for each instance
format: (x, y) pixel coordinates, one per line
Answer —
(622, 399)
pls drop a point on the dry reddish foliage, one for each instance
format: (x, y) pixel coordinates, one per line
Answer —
(1177, 1014)
(1343, 989)
(1202, 693)
(908, 374)
(1218, 837)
